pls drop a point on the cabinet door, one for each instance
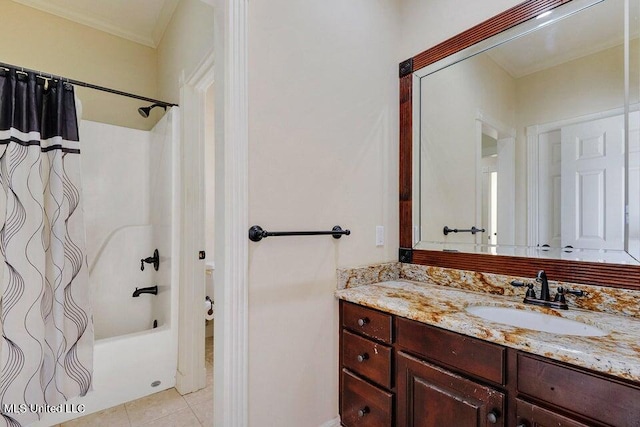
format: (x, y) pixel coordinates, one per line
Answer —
(432, 396)
(530, 415)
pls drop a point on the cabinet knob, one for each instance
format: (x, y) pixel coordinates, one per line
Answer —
(521, 425)
(364, 411)
(363, 321)
(362, 357)
(492, 417)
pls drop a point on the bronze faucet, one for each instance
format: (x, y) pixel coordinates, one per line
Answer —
(155, 260)
(559, 301)
(544, 289)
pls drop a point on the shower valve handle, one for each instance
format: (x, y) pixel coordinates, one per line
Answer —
(155, 260)
(148, 260)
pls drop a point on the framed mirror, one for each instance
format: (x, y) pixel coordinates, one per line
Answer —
(521, 138)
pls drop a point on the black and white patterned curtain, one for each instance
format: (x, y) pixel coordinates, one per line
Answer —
(46, 353)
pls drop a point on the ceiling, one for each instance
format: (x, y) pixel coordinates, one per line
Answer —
(141, 21)
(597, 28)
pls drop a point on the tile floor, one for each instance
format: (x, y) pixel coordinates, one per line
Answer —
(164, 409)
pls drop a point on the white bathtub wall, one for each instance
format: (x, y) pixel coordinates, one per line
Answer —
(113, 279)
(115, 181)
(129, 188)
(163, 216)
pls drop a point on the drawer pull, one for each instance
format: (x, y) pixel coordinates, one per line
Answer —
(362, 357)
(363, 321)
(492, 417)
(364, 411)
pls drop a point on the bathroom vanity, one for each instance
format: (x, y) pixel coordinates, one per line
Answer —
(404, 362)
(504, 144)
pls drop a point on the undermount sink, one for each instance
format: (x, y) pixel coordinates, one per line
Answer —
(535, 321)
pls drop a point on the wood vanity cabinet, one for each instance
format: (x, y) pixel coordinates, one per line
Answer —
(429, 395)
(403, 373)
(448, 379)
(530, 415)
(383, 383)
(585, 398)
(366, 367)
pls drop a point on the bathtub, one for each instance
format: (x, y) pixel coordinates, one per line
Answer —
(132, 359)
(125, 368)
(127, 217)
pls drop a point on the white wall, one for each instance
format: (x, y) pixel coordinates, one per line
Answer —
(450, 141)
(323, 104)
(568, 90)
(186, 41)
(210, 193)
(427, 23)
(209, 171)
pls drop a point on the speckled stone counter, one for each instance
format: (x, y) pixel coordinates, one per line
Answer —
(443, 305)
(597, 298)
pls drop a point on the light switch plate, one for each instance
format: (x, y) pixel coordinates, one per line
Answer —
(379, 235)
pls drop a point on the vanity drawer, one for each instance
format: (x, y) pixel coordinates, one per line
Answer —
(366, 321)
(364, 404)
(469, 355)
(603, 399)
(367, 358)
(530, 414)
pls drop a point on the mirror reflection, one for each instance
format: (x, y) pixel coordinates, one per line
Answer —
(536, 141)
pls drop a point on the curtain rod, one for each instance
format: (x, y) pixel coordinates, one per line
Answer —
(88, 85)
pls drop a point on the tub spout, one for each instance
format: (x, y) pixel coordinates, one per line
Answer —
(150, 290)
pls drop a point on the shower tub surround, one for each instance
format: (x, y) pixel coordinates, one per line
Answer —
(130, 191)
(438, 296)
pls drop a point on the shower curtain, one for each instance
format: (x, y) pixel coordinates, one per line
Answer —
(46, 351)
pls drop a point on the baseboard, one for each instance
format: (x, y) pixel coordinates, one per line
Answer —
(332, 423)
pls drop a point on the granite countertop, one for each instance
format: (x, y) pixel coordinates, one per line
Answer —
(617, 353)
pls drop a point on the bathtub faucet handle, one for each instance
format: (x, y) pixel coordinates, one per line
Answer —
(155, 260)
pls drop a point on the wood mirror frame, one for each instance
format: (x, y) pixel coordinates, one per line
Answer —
(594, 273)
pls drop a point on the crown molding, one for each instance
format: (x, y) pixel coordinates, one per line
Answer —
(150, 40)
(163, 20)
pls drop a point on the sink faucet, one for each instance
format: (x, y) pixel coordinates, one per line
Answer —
(544, 291)
(545, 298)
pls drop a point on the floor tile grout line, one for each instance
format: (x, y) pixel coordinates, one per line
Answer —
(127, 412)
